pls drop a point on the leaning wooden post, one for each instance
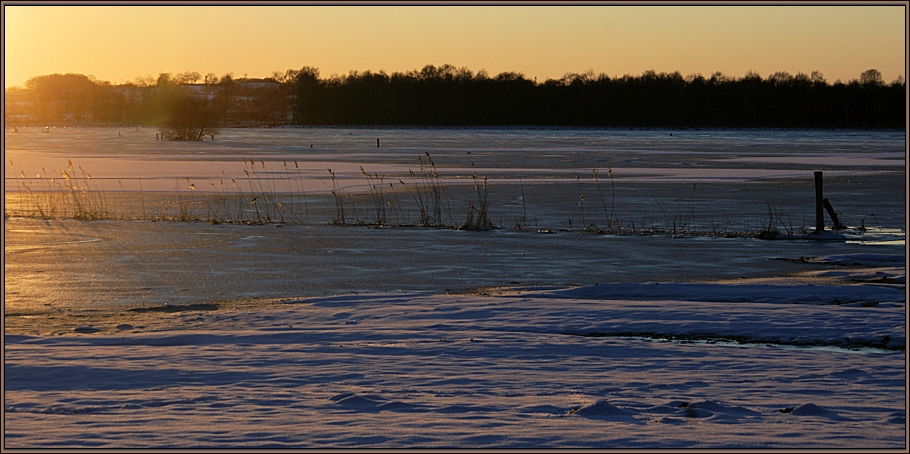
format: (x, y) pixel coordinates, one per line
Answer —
(819, 204)
(833, 214)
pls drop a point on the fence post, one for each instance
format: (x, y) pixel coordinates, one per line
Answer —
(833, 214)
(819, 204)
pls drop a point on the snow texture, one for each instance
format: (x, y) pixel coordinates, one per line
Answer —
(574, 367)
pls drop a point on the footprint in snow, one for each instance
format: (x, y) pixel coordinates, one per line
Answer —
(709, 410)
(606, 411)
(85, 329)
(852, 374)
(370, 403)
(897, 417)
(812, 410)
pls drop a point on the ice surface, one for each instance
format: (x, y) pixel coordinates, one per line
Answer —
(525, 370)
(136, 334)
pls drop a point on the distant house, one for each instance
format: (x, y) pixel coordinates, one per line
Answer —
(19, 107)
(206, 91)
(240, 103)
(251, 102)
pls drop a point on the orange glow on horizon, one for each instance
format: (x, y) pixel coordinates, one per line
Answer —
(120, 43)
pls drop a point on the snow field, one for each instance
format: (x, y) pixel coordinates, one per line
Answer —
(541, 369)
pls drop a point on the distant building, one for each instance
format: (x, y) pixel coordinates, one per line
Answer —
(19, 108)
(202, 91)
(250, 103)
(241, 103)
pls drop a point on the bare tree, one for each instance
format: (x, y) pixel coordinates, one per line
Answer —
(164, 79)
(189, 77)
(190, 118)
(871, 77)
(818, 78)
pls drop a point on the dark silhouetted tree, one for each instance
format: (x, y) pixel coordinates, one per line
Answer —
(871, 77)
(189, 118)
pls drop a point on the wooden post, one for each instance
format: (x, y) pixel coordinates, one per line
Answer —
(833, 214)
(819, 204)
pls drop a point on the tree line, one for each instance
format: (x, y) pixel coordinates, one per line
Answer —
(80, 99)
(450, 96)
(457, 97)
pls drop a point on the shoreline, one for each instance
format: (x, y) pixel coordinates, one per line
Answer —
(10, 127)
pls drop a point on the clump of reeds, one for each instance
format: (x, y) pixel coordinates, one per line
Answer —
(339, 202)
(66, 193)
(478, 217)
(71, 194)
(263, 196)
(429, 194)
(376, 184)
(580, 206)
(265, 205)
(772, 229)
(522, 224)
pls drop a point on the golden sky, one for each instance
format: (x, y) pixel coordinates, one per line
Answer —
(120, 43)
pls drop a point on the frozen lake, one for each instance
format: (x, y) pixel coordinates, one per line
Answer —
(126, 155)
(701, 184)
(621, 284)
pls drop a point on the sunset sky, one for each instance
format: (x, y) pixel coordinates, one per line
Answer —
(120, 43)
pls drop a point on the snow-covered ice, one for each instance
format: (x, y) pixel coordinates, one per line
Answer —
(560, 368)
(132, 334)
